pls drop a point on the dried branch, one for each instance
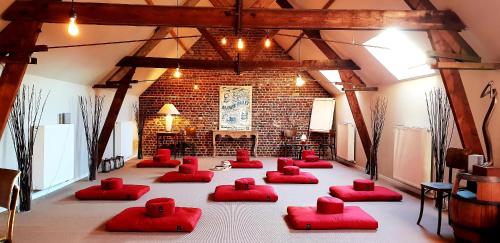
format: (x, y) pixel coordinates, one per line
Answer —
(92, 115)
(378, 110)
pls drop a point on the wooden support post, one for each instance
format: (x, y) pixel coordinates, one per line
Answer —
(348, 77)
(25, 35)
(444, 41)
(114, 109)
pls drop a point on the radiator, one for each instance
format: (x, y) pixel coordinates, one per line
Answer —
(345, 141)
(412, 155)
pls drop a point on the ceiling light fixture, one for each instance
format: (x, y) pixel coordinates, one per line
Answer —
(223, 41)
(195, 87)
(177, 72)
(72, 26)
(240, 44)
(299, 82)
(267, 42)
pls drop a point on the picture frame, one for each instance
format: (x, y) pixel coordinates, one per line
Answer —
(235, 108)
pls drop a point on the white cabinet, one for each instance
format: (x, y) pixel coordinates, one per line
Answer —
(53, 155)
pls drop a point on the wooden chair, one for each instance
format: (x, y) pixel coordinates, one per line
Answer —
(455, 159)
(8, 199)
(188, 141)
(287, 148)
(328, 145)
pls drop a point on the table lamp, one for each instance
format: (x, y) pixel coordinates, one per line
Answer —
(303, 139)
(168, 110)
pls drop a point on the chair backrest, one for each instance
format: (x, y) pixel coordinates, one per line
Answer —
(457, 158)
(7, 180)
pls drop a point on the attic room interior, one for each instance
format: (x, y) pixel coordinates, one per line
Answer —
(249, 121)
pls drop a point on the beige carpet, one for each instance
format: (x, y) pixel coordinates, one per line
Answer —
(59, 217)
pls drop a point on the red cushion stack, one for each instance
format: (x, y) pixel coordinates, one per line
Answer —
(363, 185)
(330, 205)
(187, 169)
(160, 207)
(112, 183)
(242, 155)
(244, 184)
(161, 160)
(308, 152)
(291, 170)
(282, 162)
(243, 161)
(311, 158)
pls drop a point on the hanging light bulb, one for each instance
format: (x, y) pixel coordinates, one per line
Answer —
(223, 41)
(299, 82)
(267, 43)
(240, 44)
(177, 72)
(195, 87)
(72, 26)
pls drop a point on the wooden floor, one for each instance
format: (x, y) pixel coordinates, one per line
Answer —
(59, 217)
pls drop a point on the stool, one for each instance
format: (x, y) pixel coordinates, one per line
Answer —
(442, 190)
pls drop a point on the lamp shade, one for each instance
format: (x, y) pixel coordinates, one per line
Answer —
(168, 109)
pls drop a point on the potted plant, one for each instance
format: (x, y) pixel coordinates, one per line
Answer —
(91, 110)
(378, 110)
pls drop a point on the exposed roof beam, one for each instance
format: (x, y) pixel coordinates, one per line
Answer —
(215, 44)
(108, 86)
(466, 65)
(454, 56)
(254, 18)
(360, 89)
(157, 62)
(181, 43)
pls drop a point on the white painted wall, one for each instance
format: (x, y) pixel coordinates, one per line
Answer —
(63, 98)
(407, 107)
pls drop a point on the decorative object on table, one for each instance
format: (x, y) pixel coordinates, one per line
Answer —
(490, 91)
(235, 108)
(140, 119)
(24, 120)
(439, 111)
(169, 111)
(303, 139)
(91, 110)
(378, 110)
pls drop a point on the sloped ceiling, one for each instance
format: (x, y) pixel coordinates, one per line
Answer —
(90, 65)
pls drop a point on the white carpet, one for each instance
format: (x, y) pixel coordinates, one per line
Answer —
(59, 217)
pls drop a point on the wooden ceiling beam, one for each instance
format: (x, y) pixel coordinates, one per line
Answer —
(215, 44)
(158, 62)
(452, 42)
(466, 66)
(454, 56)
(254, 18)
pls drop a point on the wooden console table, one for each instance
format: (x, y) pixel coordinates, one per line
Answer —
(236, 135)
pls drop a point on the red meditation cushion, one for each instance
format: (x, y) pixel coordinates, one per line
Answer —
(380, 193)
(318, 164)
(307, 218)
(187, 169)
(307, 152)
(363, 185)
(190, 160)
(244, 184)
(260, 193)
(198, 176)
(163, 152)
(302, 178)
(112, 183)
(252, 164)
(282, 162)
(291, 170)
(329, 205)
(162, 155)
(242, 158)
(127, 192)
(160, 207)
(311, 158)
(243, 153)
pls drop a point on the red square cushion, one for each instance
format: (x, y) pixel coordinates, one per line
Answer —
(311, 158)
(307, 218)
(282, 162)
(135, 219)
(259, 193)
(252, 164)
(306, 153)
(301, 178)
(147, 163)
(198, 176)
(321, 164)
(242, 153)
(127, 192)
(348, 194)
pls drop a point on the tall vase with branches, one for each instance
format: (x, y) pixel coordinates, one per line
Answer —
(378, 110)
(140, 119)
(439, 111)
(24, 120)
(91, 110)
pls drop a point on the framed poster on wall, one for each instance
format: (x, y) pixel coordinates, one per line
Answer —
(235, 108)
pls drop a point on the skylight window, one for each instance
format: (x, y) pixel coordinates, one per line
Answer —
(333, 76)
(403, 58)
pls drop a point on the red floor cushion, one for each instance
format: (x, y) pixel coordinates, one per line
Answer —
(320, 164)
(187, 169)
(252, 164)
(137, 219)
(148, 163)
(160, 207)
(112, 183)
(282, 162)
(301, 178)
(307, 218)
(363, 185)
(126, 192)
(291, 170)
(176, 176)
(307, 152)
(329, 205)
(244, 184)
(258, 193)
(348, 194)
(311, 158)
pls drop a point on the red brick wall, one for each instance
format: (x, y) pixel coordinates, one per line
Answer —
(277, 102)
